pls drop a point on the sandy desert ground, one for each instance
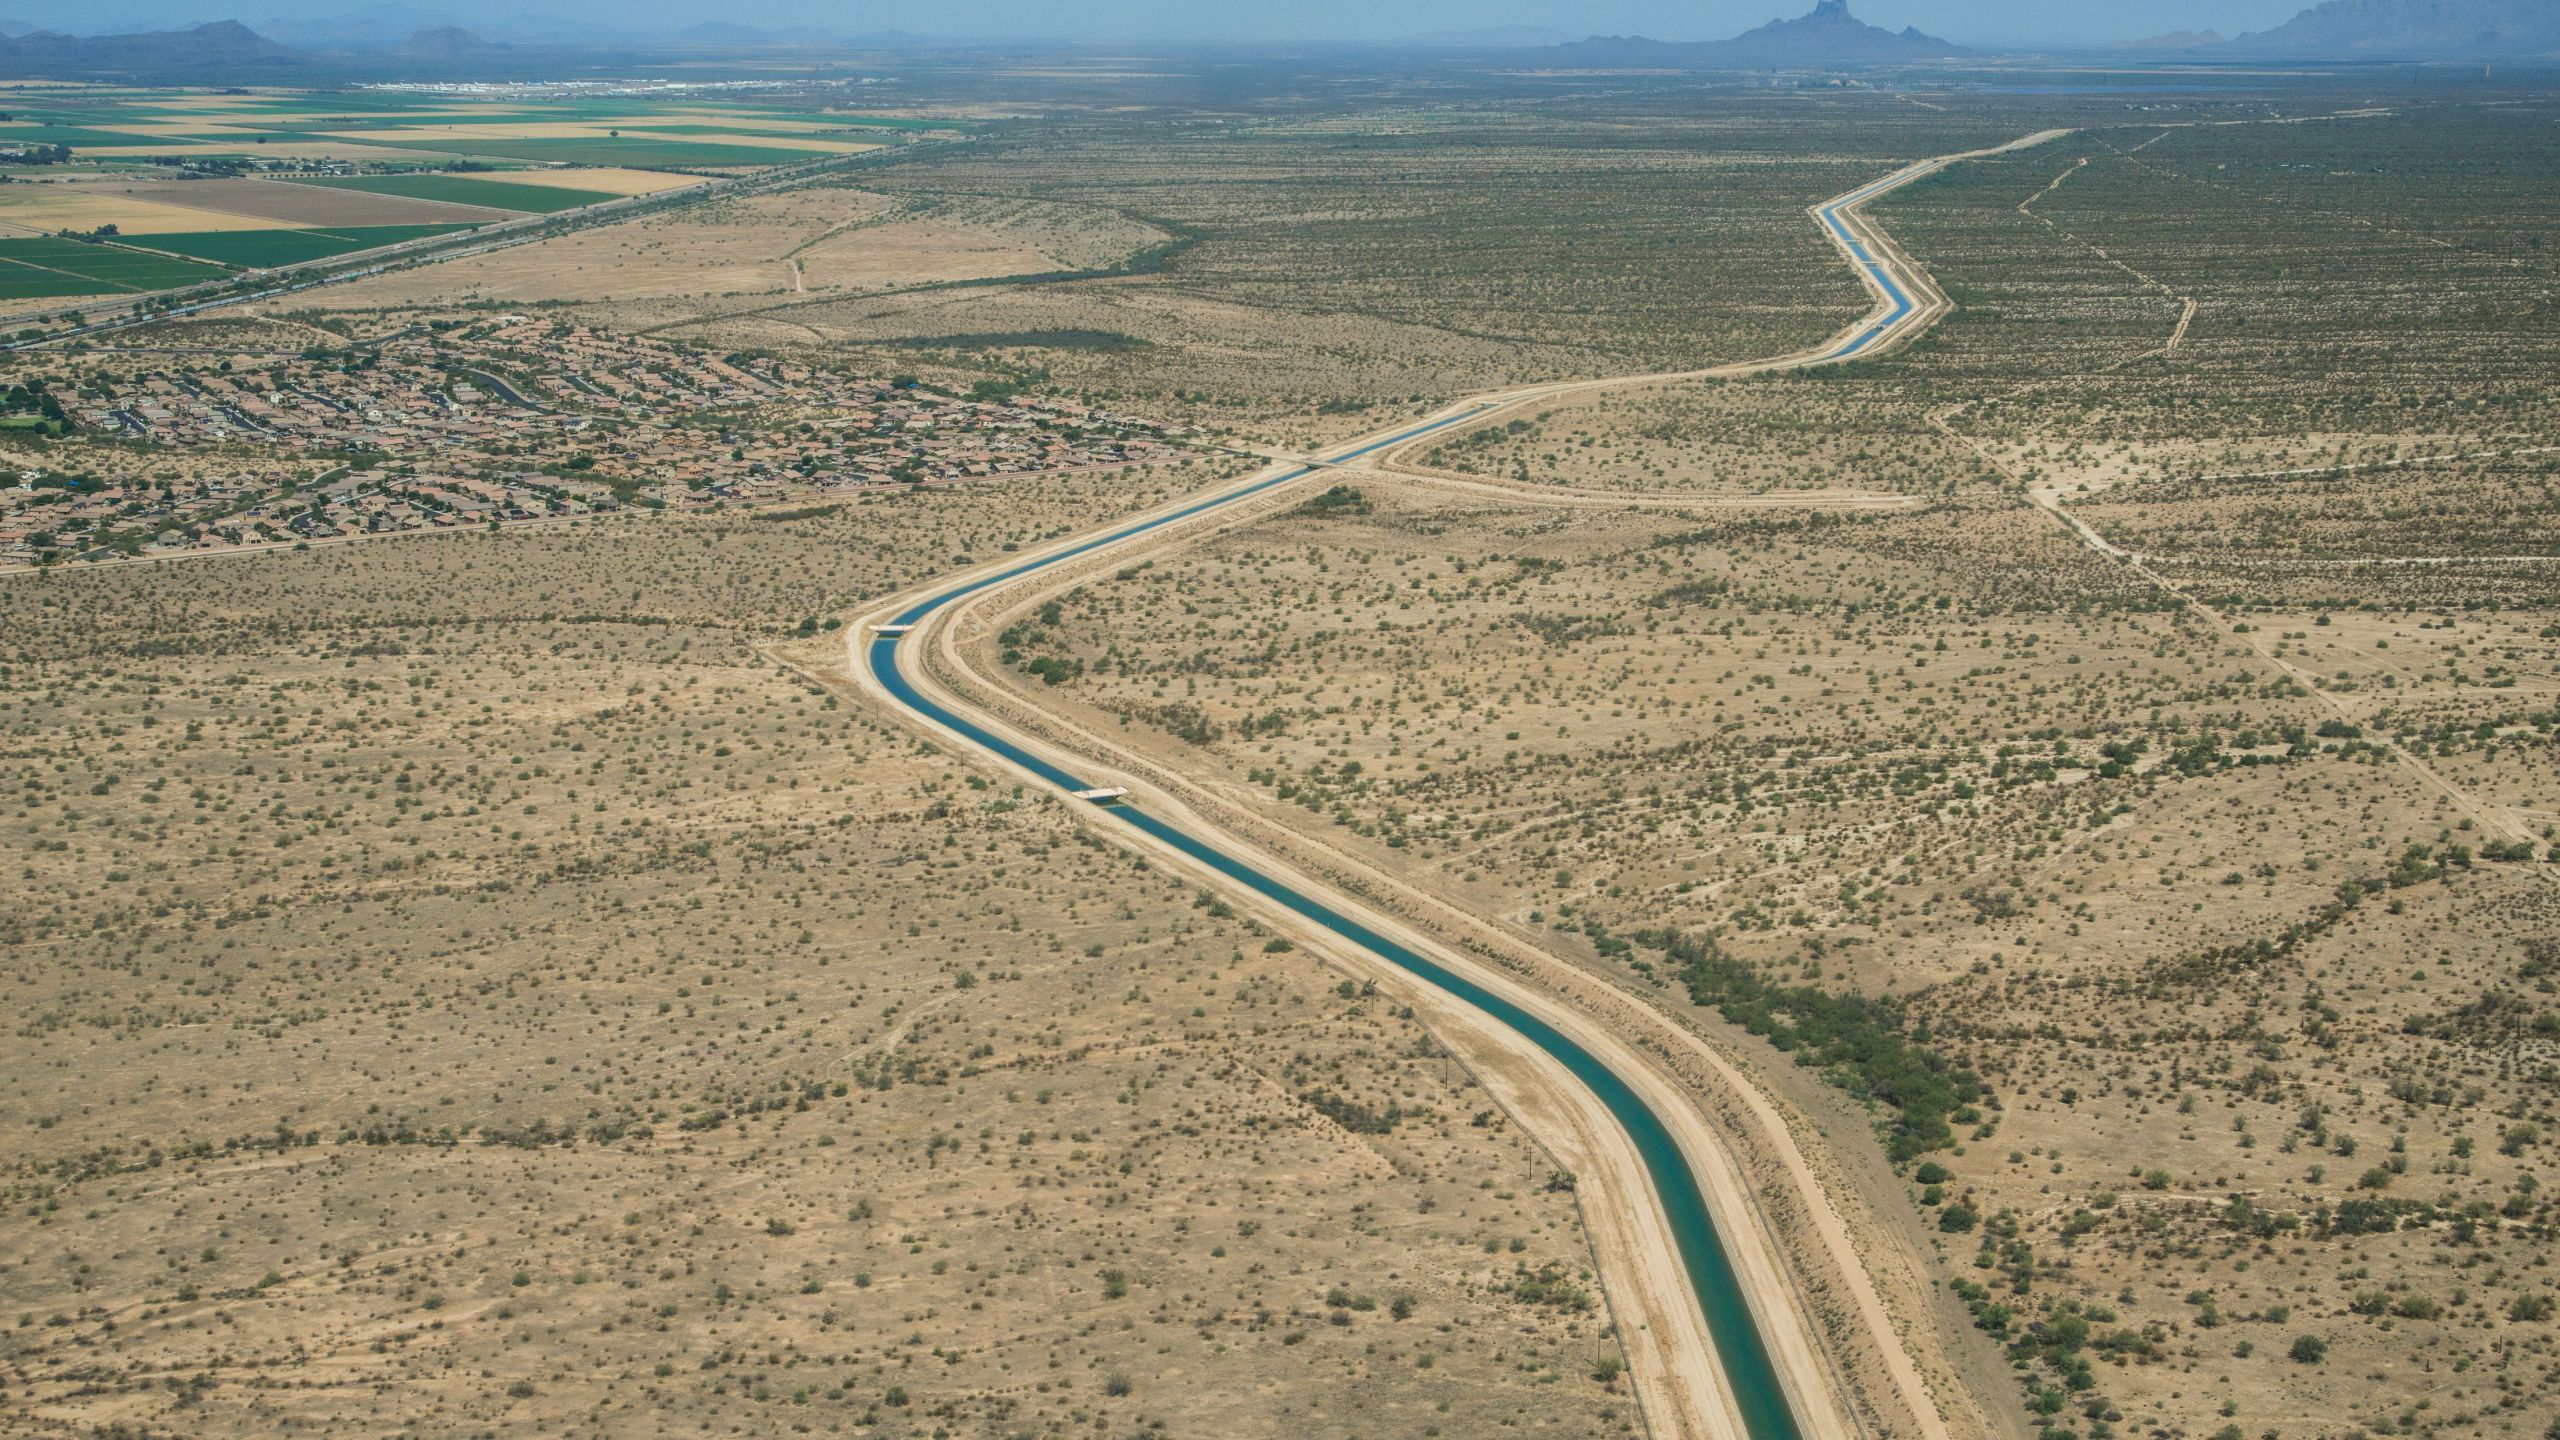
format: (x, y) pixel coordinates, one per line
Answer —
(2086, 776)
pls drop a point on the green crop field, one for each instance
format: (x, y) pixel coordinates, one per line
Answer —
(237, 142)
(750, 118)
(78, 135)
(334, 103)
(493, 115)
(261, 249)
(689, 129)
(638, 152)
(465, 190)
(25, 282)
(115, 267)
(198, 130)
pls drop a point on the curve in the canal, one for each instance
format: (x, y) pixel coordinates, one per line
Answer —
(1750, 1377)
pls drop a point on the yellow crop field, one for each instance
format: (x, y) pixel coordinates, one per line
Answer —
(465, 135)
(317, 149)
(610, 180)
(44, 209)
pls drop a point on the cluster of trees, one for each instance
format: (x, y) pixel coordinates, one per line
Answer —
(1338, 500)
(206, 167)
(1860, 1043)
(30, 397)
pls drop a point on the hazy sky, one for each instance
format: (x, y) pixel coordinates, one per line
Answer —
(2010, 21)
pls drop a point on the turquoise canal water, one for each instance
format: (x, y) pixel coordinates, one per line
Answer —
(1741, 1351)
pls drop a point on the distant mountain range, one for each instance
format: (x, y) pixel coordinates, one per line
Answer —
(2512, 30)
(380, 38)
(450, 41)
(389, 35)
(1829, 35)
(396, 26)
(372, 27)
(210, 53)
(2392, 30)
(2483, 29)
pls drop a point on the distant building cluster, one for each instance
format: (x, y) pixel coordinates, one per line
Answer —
(506, 420)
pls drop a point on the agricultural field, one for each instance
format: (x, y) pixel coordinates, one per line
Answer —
(285, 204)
(257, 249)
(611, 146)
(279, 166)
(468, 190)
(672, 129)
(21, 282)
(27, 267)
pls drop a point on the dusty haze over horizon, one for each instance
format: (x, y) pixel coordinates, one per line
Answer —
(1965, 21)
